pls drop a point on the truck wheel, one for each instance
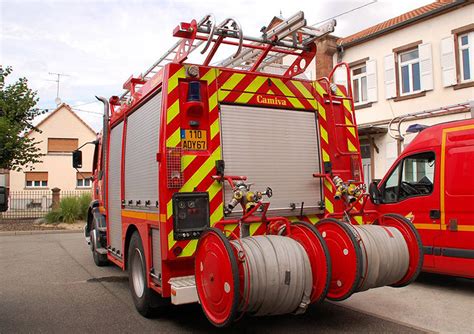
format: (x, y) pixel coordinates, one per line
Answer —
(147, 301)
(99, 259)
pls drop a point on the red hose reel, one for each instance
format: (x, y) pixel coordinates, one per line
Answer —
(335, 251)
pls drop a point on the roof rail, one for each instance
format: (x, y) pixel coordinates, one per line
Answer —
(292, 36)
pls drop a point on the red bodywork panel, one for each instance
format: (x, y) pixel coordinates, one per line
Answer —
(445, 217)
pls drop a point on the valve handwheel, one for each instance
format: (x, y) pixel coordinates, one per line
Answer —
(217, 277)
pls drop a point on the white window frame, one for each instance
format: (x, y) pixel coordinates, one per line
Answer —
(470, 47)
(42, 184)
(408, 63)
(83, 183)
(359, 77)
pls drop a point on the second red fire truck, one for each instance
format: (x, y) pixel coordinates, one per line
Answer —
(209, 181)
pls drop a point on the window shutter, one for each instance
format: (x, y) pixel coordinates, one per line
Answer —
(389, 80)
(340, 76)
(371, 66)
(36, 176)
(426, 66)
(448, 61)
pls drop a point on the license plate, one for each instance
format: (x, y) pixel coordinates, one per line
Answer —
(194, 140)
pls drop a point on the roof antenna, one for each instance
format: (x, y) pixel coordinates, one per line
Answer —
(281, 14)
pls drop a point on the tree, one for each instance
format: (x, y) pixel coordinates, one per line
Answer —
(17, 102)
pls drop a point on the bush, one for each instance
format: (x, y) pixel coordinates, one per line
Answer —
(70, 209)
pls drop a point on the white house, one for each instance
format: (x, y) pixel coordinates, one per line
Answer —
(421, 63)
(62, 131)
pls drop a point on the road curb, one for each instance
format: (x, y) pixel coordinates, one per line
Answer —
(13, 233)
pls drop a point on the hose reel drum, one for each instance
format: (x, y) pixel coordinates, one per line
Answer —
(302, 264)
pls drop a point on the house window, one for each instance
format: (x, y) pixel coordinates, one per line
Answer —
(62, 145)
(409, 72)
(83, 180)
(36, 179)
(465, 47)
(359, 84)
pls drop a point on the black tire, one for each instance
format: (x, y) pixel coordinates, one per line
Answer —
(100, 260)
(146, 301)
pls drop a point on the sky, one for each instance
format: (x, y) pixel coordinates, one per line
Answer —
(99, 44)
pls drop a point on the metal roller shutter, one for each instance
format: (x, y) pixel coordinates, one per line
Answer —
(274, 148)
(141, 167)
(114, 191)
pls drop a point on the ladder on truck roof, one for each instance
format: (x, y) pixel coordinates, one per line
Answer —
(291, 36)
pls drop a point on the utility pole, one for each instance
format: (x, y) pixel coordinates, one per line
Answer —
(58, 80)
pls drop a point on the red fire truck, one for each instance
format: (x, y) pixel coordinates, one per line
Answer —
(209, 180)
(431, 182)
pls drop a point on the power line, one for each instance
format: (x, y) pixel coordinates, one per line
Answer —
(346, 12)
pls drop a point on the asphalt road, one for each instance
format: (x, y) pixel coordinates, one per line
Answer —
(49, 283)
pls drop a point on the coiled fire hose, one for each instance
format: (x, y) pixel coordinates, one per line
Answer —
(277, 275)
(385, 256)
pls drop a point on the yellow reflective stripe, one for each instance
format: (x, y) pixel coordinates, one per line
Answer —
(270, 92)
(346, 103)
(351, 147)
(329, 206)
(254, 227)
(214, 189)
(255, 84)
(306, 93)
(214, 128)
(293, 219)
(351, 129)
(173, 111)
(322, 111)
(171, 241)
(174, 139)
(232, 81)
(173, 81)
(295, 102)
(324, 134)
(282, 87)
(202, 172)
(359, 220)
(169, 209)
(140, 215)
(427, 226)
(230, 228)
(325, 155)
(186, 161)
(244, 97)
(319, 89)
(213, 101)
(313, 219)
(217, 214)
(210, 76)
(328, 185)
(189, 249)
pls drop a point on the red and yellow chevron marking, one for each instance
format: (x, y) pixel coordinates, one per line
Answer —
(325, 144)
(197, 168)
(251, 89)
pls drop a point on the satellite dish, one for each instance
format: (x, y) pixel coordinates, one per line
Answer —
(57, 101)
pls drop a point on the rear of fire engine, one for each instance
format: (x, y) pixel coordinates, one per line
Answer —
(236, 188)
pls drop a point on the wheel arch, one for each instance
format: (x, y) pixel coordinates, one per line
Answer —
(128, 235)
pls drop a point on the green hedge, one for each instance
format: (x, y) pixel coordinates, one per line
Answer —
(70, 209)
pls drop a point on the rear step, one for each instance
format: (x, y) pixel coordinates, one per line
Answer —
(183, 290)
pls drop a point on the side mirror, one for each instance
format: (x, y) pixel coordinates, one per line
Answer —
(77, 159)
(3, 199)
(374, 192)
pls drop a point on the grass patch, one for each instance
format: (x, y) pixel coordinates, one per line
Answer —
(70, 209)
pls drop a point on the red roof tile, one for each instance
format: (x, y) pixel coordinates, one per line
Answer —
(394, 21)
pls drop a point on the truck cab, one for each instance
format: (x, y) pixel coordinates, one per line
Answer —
(432, 184)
